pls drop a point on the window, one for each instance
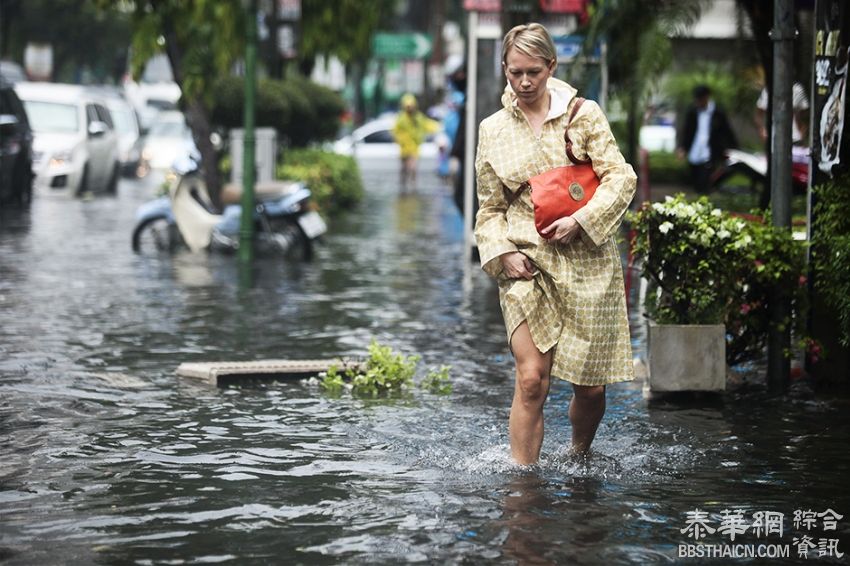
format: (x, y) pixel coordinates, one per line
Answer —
(52, 116)
(381, 136)
(91, 114)
(103, 116)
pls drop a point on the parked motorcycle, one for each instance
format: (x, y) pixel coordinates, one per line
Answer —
(186, 217)
(754, 166)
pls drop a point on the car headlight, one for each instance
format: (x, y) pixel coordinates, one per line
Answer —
(61, 158)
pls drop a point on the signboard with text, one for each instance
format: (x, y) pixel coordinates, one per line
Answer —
(401, 45)
(830, 143)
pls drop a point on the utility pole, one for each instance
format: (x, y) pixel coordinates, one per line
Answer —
(783, 35)
(246, 231)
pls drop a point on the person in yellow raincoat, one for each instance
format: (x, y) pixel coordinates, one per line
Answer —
(562, 296)
(409, 132)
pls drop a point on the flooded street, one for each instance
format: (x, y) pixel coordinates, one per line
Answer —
(108, 457)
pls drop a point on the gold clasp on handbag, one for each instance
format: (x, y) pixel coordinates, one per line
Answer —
(576, 191)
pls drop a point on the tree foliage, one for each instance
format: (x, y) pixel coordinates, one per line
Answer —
(83, 37)
(202, 39)
(638, 47)
(343, 28)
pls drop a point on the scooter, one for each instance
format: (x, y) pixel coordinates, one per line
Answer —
(755, 166)
(283, 221)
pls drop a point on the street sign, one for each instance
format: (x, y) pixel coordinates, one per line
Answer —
(401, 45)
(568, 47)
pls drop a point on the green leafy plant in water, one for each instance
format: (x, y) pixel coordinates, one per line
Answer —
(438, 381)
(385, 372)
(332, 381)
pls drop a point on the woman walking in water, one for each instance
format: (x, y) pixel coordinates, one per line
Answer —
(562, 293)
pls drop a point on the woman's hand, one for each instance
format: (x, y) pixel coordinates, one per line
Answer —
(563, 230)
(516, 265)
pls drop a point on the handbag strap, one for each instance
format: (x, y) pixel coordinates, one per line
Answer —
(511, 196)
(569, 146)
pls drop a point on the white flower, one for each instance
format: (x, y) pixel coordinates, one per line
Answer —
(717, 213)
(658, 207)
(723, 233)
(743, 242)
(709, 231)
(665, 227)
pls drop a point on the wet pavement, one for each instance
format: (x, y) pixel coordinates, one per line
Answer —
(107, 457)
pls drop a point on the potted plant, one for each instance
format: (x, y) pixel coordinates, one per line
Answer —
(711, 279)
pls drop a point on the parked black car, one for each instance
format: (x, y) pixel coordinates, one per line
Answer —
(16, 174)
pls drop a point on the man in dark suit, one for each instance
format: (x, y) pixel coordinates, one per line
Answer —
(704, 137)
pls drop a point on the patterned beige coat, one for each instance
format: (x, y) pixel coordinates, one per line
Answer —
(576, 302)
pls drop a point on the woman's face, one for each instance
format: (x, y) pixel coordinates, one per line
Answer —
(527, 76)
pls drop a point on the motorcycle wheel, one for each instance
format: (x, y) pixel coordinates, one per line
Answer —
(152, 236)
(292, 242)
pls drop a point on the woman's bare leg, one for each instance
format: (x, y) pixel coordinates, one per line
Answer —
(586, 410)
(530, 390)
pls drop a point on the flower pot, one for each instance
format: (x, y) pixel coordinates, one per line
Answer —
(687, 357)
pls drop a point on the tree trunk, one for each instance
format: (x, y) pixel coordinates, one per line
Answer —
(761, 19)
(356, 74)
(197, 116)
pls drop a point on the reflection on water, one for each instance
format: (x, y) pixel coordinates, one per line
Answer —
(108, 457)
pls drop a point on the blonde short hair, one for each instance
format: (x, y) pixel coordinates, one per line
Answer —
(532, 40)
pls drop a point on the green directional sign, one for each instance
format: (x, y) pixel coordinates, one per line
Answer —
(401, 45)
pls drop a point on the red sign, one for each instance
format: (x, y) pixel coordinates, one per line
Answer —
(563, 6)
(482, 5)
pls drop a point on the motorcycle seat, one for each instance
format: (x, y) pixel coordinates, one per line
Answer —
(231, 193)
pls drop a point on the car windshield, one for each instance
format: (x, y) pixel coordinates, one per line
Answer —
(52, 117)
(168, 130)
(123, 120)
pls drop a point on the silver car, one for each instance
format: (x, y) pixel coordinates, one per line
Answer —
(75, 146)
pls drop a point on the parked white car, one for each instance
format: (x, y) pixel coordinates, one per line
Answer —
(127, 127)
(75, 146)
(374, 139)
(168, 140)
(658, 137)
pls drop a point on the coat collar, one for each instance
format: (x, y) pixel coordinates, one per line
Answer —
(560, 92)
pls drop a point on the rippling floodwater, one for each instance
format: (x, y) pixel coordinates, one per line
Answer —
(107, 457)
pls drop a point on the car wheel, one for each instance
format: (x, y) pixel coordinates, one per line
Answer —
(22, 181)
(112, 185)
(84, 182)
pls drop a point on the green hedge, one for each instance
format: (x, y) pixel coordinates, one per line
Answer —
(334, 179)
(666, 167)
(831, 250)
(301, 111)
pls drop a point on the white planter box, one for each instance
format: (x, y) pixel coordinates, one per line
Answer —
(687, 357)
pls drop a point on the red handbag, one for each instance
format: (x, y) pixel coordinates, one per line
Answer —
(564, 190)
